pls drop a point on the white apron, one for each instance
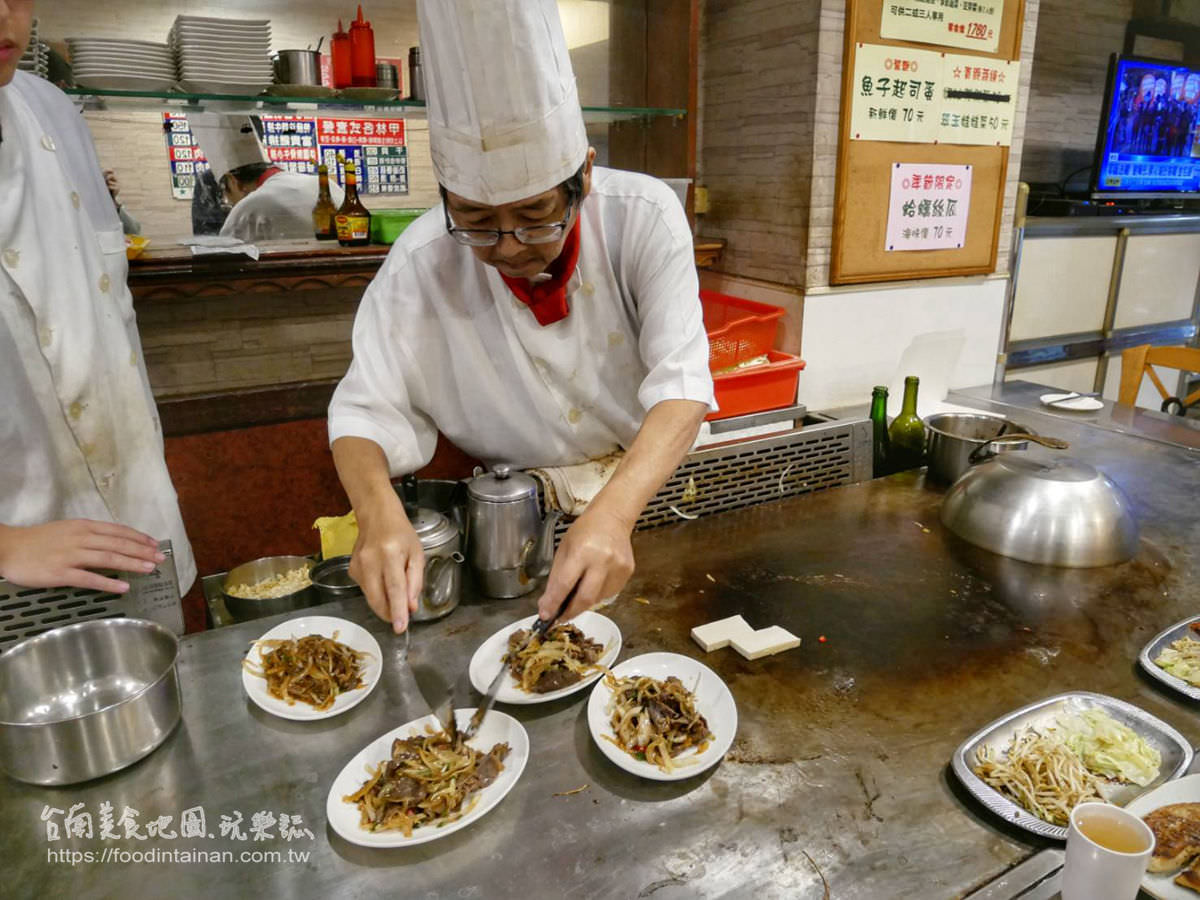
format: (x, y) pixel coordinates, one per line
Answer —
(79, 434)
(441, 343)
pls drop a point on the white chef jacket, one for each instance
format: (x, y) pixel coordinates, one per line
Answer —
(441, 342)
(280, 208)
(79, 433)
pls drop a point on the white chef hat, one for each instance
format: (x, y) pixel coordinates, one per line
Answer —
(504, 115)
(227, 141)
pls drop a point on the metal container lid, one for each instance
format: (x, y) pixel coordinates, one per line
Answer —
(432, 528)
(502, 485)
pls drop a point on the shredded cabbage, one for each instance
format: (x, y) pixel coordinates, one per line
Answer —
(1182, 659)
(1109, 748)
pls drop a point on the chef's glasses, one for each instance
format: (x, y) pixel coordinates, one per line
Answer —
(490, 237)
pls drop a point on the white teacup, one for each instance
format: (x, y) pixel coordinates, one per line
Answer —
(1108, 850)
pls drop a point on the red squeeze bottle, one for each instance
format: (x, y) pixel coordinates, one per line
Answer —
(362, 51)
(340, 58)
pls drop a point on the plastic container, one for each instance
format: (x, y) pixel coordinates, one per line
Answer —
(362, 52)
(771, 385)
(738, 330)
(339, 58)
(389, 224)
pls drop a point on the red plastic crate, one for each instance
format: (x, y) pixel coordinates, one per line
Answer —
(738, 329)
(758, 388)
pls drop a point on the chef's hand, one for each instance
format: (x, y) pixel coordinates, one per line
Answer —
(59, 554)
(596, 554)
(388, 561)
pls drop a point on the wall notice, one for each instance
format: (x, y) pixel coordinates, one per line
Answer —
(897, 94)
(377, 147)
(950, 23)
(184, 156)
(928, 207)
(927, 97)
(979, 100)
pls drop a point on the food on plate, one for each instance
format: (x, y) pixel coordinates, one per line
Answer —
(1081, 757)
(1176, 830)
(314, 669)
(564, 656)
(1182, 659)
(655, 720)
(426, 781)
(281, 585)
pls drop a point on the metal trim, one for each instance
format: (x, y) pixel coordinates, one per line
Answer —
(1093, 345)
(1077, 226)
(1110, 306)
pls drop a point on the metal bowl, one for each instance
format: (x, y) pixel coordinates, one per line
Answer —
(245, 608)
(1061, 512)
(88, 699)
(953, 438)
(332, 580)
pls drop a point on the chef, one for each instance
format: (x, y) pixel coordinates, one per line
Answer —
(546, 313)
(83, 485)
(268, 204)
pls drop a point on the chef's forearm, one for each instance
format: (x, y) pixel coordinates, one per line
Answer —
(666, 436)
(363, 469)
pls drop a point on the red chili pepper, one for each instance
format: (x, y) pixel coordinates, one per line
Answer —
(821, 639)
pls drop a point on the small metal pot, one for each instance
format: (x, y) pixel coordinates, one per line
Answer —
(956, 440)
(442, 544)
(332, 580)
(297, 67)
(244, 608)
(88, 699)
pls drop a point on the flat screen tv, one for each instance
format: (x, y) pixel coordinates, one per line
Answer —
(1148, 144)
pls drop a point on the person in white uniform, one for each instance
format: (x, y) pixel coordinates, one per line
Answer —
(270, 204)
(83, 484)
(545, 314)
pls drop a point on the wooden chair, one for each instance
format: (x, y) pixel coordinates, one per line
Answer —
(1138, 360)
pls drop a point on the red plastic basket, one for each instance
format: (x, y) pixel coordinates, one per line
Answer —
(758, 388)
(738, 329)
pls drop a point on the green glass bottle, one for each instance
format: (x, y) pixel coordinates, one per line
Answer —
(907, 431)
(880, 444)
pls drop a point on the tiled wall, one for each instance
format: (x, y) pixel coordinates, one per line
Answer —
(1074, 40)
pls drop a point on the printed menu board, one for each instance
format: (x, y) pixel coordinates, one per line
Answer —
(951, 23)
(928, 207)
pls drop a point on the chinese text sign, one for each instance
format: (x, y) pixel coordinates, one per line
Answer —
(928, 206)
(950, 23)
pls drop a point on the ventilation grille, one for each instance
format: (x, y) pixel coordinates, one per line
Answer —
(745, 473)
(25, 612)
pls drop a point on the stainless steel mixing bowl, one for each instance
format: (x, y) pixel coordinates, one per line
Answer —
(1060, 511)
(88, 699)
(246, 608)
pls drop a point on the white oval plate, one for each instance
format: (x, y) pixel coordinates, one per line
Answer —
(497, 728)
(1181, 790)
(713, 700)
(353, 636)
(1075, 404)
(487, 659)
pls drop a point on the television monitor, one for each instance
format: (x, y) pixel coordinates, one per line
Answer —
(1148, 144)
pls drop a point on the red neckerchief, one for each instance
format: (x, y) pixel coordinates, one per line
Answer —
(547, 300)
(274, 170)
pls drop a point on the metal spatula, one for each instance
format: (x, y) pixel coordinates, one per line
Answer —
(538, 629)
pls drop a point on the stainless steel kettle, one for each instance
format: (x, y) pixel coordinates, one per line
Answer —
(509, 545)
(443, 563)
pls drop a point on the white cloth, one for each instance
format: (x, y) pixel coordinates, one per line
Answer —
(79, 433)
(503, 110)
(571, 488)
(280, 208)
(440, 342)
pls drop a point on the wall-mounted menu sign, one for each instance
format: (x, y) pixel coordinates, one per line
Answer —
(926, 97)
(299, 144)
(928, 207)
(950, 23)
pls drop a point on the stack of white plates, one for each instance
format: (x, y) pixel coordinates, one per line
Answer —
(36, 58)
(109, 64)
(222, 56)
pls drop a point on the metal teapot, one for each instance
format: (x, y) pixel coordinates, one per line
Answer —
(509, 544)
(440, 540)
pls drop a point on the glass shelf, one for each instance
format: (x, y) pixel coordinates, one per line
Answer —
(239, 104)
